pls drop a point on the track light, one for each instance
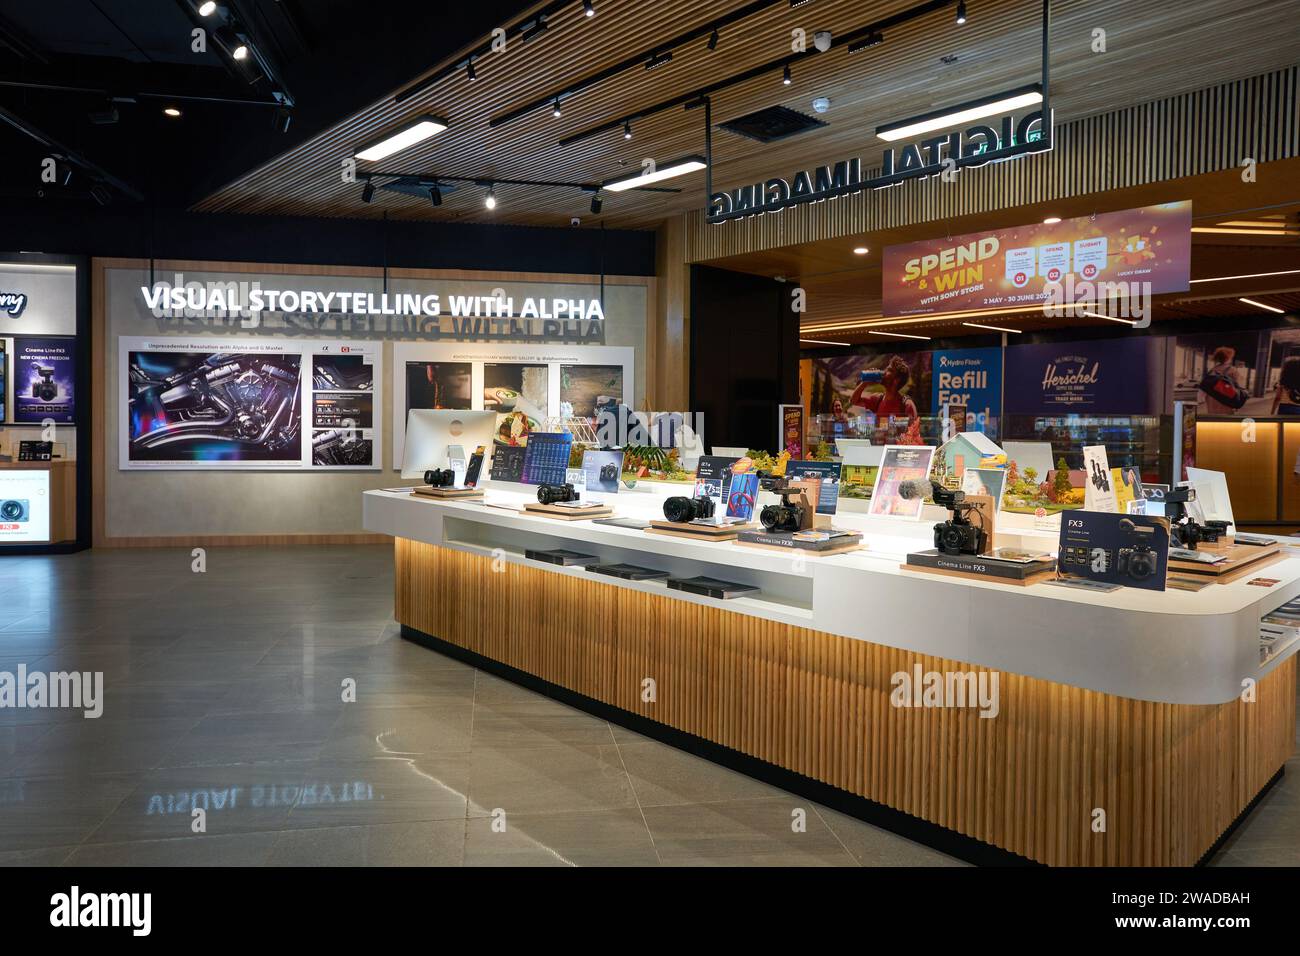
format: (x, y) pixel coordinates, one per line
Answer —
(627, 130)
(281, 119)
(596, 203)
(469, 70)
(368, 191)
(401, 138)
(874, 38)
(555, 109)
(713, 40)
(678, 167)
(786, 78)
(240, 52)
(658, 59)
(588, 8)
(961, 12)
(490, 201)
(435, 195)
(207, 8)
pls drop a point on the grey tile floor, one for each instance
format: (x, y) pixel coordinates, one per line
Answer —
(223, 691)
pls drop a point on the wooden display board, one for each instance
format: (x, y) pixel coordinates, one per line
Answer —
(1242, 559)
(568, 514)
(428, 491)
(697, 532)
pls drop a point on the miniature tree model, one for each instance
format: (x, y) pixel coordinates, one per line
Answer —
(1062, 482)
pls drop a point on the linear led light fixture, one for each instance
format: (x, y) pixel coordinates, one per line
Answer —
(821, 342)
(402, 138)
(1245, 232)
(658, 59)
(900, 335)
(1108, 318)
(962, 113)
(794, 4)
(874, 38)
(1251, 275)
(991, 328)
(1264, 306)
(678, 167)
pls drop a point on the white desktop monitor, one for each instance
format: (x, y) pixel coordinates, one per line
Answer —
(431, 431)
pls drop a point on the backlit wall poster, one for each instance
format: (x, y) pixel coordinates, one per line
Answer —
(248, 404)
(1097, 377)
(523, 383)
(1082, 258)
(866, 396)
(44, 375)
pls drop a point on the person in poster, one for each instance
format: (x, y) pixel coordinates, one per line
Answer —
(1223, 369)
(43, 380)
(1286, 397)
(890, 401)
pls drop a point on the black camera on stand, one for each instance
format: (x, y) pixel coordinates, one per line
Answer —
(957, 535)
(679, 509)
(788, 515)
(554, 494)
(1184, 530)
(440, 478)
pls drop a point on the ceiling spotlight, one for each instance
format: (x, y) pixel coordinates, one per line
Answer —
(171, 111)
(713, 40)
(861, 251)
(240, 52)
(368, 191)
(469, 70)
(207, 8)
(961, 12)
(874, 38)
(588, 8)
(658, 59)
(490, 201)
(627, 130)
(596, 204)
(401, 138)
(555, 110)
(786, 78)
(435, 194)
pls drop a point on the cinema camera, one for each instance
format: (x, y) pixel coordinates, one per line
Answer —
(440, 478)
(554, 494)
(679, 509)
(45, 389)
(789, 515)
(956, 535)
(1184, 530)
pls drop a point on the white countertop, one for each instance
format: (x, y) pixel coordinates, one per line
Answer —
(1173, 646)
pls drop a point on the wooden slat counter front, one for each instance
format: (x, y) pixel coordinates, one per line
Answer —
(1119, 736)
(63, 494)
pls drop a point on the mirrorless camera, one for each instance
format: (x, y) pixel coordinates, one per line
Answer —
(609, 472)
(789, 515)
(957, 535)
(14, 510)
(1137, 560)
(45, 389)
(554, 494)
(440, 478)
(679, 509)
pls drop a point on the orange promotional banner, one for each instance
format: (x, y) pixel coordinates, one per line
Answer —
(1127, 256)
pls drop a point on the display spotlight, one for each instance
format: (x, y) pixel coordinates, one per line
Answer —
(596, 204)
(588, 8)
(207, 8)
(368, 191)
(435, 195)
(786, 78)
(961, 12)
(627, 130)
(469, 71)
(713, 40)
(555, 109)
(490, 201)
(240, 52)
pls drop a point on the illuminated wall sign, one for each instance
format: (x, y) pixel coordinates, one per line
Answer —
(1000, 139)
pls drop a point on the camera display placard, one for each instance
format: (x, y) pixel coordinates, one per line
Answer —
(24, 506)
(1131, 550)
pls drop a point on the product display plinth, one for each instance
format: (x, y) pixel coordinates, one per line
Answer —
(979, 568)
(698, 532)
(786, 541)
(562, 513)
(428, 491)
(1243, 559)
(560, 556)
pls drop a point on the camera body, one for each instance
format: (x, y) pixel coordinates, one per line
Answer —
(609, 472)
(789, 515)
(15, 510)
(679, 509)
(553, 494)
(440, 478)
(957, 535)
(45, 389)
(1138, 562)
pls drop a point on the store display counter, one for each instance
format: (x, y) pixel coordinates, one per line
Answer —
(1124, 707)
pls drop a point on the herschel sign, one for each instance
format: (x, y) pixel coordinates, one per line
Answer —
(1011, 134)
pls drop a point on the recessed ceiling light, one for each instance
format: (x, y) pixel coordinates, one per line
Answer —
(240, 52)
(679, 167)
(1264, 306)
(992, 106)
(861, 251)
(171, 111)
(401, 139)
(1051, 220)
(207, 8)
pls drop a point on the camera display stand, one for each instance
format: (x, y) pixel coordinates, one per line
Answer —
(565, 513)
(1242, 559)
(697, 532)
(428, 491)
(787, 543)
(978, 568)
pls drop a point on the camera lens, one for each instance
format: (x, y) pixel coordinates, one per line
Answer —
(679, 509)
(11, 511)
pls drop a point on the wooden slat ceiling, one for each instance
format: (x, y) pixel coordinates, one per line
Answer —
(1153, 50)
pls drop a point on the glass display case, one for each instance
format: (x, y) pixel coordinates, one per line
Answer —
(1130, 440)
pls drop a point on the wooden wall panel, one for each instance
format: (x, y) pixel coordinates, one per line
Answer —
(1171, 778)
(1251, 467)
